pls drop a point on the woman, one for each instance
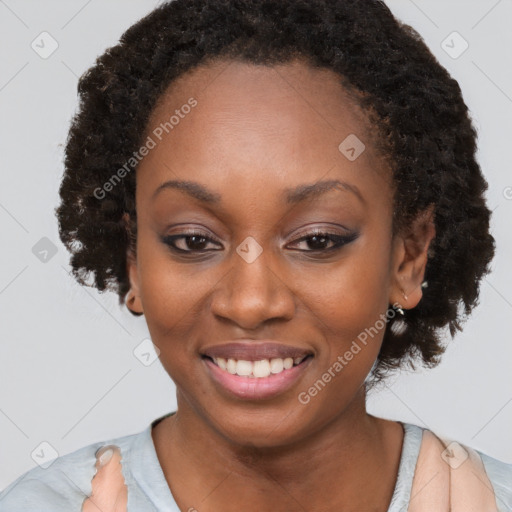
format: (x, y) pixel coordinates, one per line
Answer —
(288, 192)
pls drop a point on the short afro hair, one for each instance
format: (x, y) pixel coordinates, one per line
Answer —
(425, 132)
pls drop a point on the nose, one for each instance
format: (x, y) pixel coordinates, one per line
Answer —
(253, 292)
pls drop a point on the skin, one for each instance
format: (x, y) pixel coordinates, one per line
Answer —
(109, 492)
(256, 131)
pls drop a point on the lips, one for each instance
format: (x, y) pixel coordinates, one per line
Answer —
(255, 351)
(256, 370)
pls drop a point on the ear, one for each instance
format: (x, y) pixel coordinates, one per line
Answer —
(133, 301)
(410, 256)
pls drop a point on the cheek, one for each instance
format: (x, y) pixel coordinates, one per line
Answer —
(174, 297)
(348, 305)
(353, 293)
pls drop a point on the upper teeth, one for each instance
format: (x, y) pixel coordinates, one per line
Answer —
(262, 368)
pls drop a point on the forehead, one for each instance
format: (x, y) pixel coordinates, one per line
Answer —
(259, 128)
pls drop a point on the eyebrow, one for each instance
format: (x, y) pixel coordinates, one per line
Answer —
(308, 191)
(293, 195)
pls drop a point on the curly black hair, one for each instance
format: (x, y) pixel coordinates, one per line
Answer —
(424, 128)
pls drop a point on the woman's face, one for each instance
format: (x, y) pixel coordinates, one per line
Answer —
(231, 256)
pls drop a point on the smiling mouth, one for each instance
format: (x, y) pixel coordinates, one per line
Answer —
(257, 369)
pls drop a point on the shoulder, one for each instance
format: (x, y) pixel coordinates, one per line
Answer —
(62, 484)
(500, 475)
(468, 471)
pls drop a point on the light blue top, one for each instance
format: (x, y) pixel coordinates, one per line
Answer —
(64, 485)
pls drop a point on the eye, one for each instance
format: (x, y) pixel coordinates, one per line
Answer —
(319, 240)
(189, 242)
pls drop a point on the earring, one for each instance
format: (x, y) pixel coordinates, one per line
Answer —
(401, 311)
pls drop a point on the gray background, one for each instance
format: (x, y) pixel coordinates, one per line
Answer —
(68, 373)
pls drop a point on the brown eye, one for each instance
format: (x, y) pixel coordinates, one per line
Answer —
(192, 242)
(318, 241)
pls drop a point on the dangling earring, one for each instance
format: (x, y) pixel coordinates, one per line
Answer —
(400, 310)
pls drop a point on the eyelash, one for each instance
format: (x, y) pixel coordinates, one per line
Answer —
(339, 241)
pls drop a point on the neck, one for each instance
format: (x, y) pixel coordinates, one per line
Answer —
(341, 463)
